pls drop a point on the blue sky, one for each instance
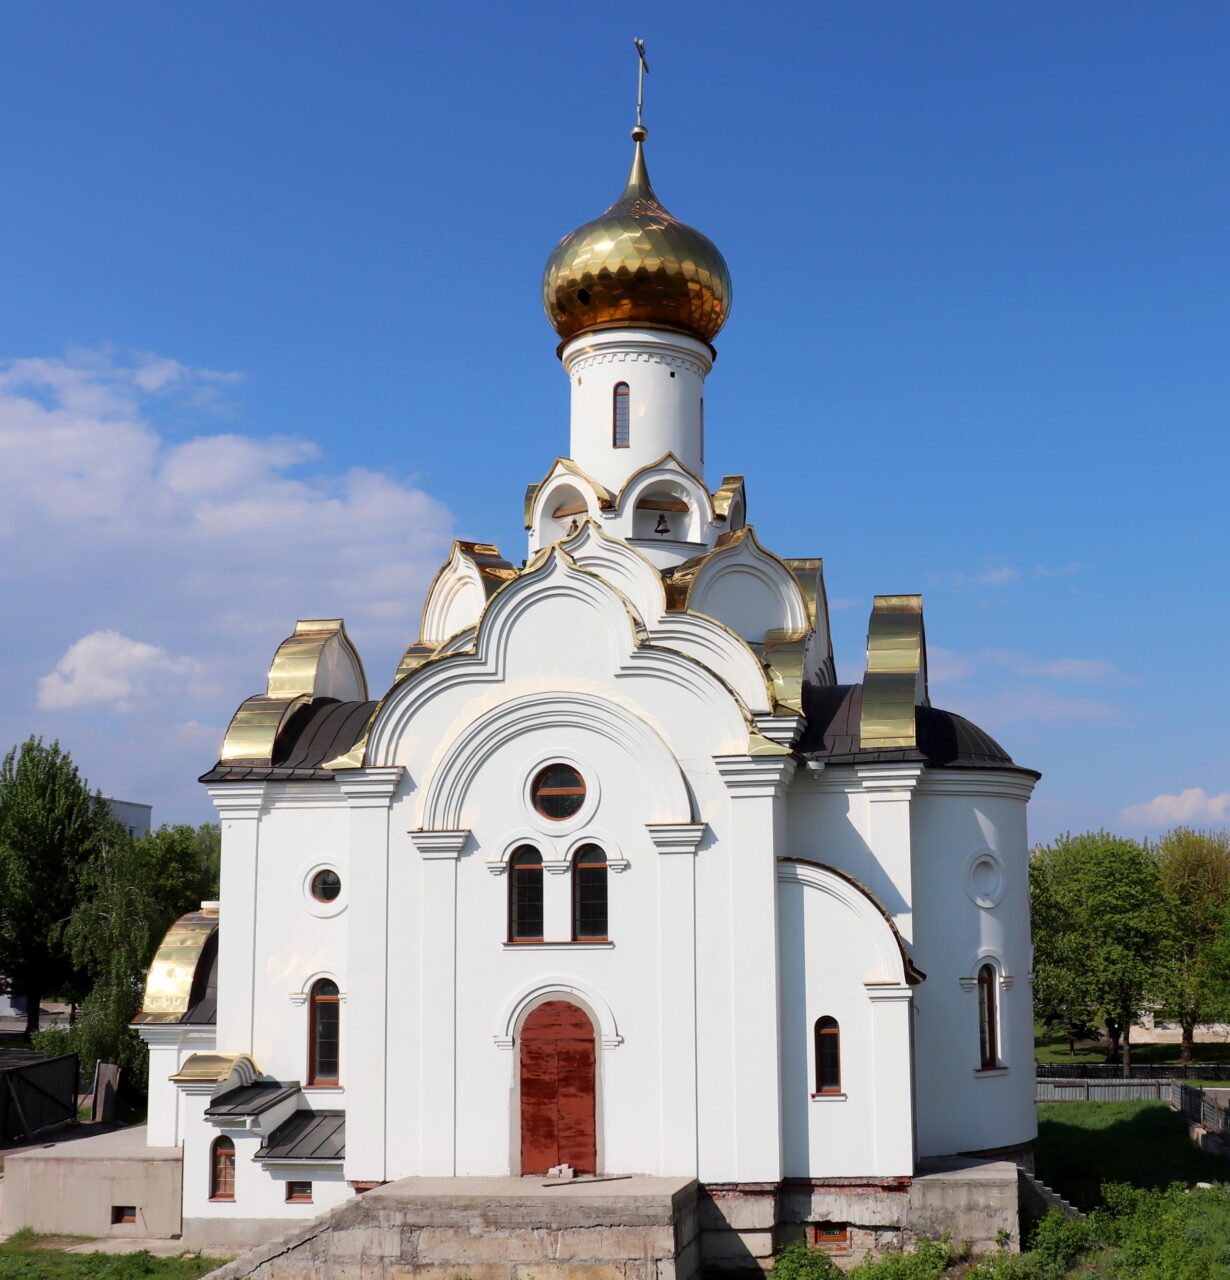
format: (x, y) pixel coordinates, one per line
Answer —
(271, 336)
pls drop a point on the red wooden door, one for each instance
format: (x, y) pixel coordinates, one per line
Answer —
(557, 1090)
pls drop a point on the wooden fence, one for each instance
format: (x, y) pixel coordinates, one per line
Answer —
(36, 1094)
(1195, 1104)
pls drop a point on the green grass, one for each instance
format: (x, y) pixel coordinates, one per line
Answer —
(1082, 1145)
(28, 1256)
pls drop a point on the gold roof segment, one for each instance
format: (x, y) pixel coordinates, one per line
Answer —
(723, 496)
(215, 1067)
(316, 660)
(168, 984)
(896, 679)
(636, 265)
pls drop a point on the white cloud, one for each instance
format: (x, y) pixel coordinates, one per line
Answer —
(1191, 806)
(106, 667)
(1000, 575)
(133, 532)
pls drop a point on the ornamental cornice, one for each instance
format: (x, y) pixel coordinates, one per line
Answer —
(371, 788)
(676, 837)
(238, 801)
(888, 781)
(763, 776)
(595, 358)
(1010, 784)
(439, 844)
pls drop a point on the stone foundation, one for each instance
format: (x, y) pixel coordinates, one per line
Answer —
(492, 1229)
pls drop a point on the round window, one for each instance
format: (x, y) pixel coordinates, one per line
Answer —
(326, 885)
(558, 792)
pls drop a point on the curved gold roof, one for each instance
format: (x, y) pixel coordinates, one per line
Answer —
(168, 984)
(896, 679)
(637, 264)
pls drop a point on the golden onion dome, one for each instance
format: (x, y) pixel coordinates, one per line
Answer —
(637, 264)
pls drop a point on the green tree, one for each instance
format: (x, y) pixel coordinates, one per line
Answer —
(1101, 929)
(1195, 875)
(132, 891)
(50, 824)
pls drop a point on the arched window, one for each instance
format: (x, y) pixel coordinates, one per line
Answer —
(621, 417)
(589, 894)
(525, 896)
(222, 1169)
(987, 1038)
(828, 1056)
(324, 1040)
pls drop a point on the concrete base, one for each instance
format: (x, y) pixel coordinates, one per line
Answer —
(493, 1229)
(79, 1185)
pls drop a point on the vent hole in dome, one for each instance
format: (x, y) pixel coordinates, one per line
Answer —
(583, 297)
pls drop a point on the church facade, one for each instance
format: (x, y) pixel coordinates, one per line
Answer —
(615, 877)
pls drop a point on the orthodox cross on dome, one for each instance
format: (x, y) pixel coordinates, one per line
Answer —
(642, 70)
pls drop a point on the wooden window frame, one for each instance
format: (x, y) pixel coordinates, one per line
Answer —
(217, 1148)
(315, 999)
(832, 1237)
(537, 789)
(988, 1018)
(827, 1026)
(295, 1197)
(616, 399)
(577, 864)
(522, 858)
(317, 875)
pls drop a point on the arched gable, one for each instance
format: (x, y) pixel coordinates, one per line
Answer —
(745, 587)
(474, 572)
(568, 988)
(549, 578)
(893, 965)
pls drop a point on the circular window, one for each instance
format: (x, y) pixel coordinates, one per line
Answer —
(984, 879)
(326, 885)
(558, 792)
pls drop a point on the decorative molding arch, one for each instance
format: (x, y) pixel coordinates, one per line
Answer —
(566, 988)
(459, 761)
(300, 996)
(895, 967)
(669, 468)
(985, 955)
(564, 474)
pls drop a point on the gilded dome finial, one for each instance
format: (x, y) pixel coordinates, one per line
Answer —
(636, 264)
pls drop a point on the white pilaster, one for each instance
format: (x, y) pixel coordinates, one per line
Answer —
(757, 786)
(893, 1086)
(369, 794)
(677, 844)
(889, 788)
(438, 851)
(239, 807)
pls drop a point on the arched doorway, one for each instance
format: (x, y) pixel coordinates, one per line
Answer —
(558, 1109)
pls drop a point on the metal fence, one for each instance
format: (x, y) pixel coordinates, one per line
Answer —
(1195, 1104)
(1051, 1090)
(1146, 1071)
(35, 1095)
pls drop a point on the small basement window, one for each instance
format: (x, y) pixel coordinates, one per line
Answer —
(123, 1214)
(298, 1193)
(831, 1236)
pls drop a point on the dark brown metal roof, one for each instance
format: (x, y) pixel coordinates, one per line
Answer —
(319, 731)
(307, 1135)
(251, 1099)
(944, 738)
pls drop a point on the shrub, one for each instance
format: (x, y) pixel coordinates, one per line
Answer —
(799, 1261)
(928, 1260)
(1059, 1241)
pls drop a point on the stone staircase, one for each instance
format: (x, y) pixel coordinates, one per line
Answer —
(1037, 1199)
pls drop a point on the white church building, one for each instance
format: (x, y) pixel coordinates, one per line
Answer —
(613, 873)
